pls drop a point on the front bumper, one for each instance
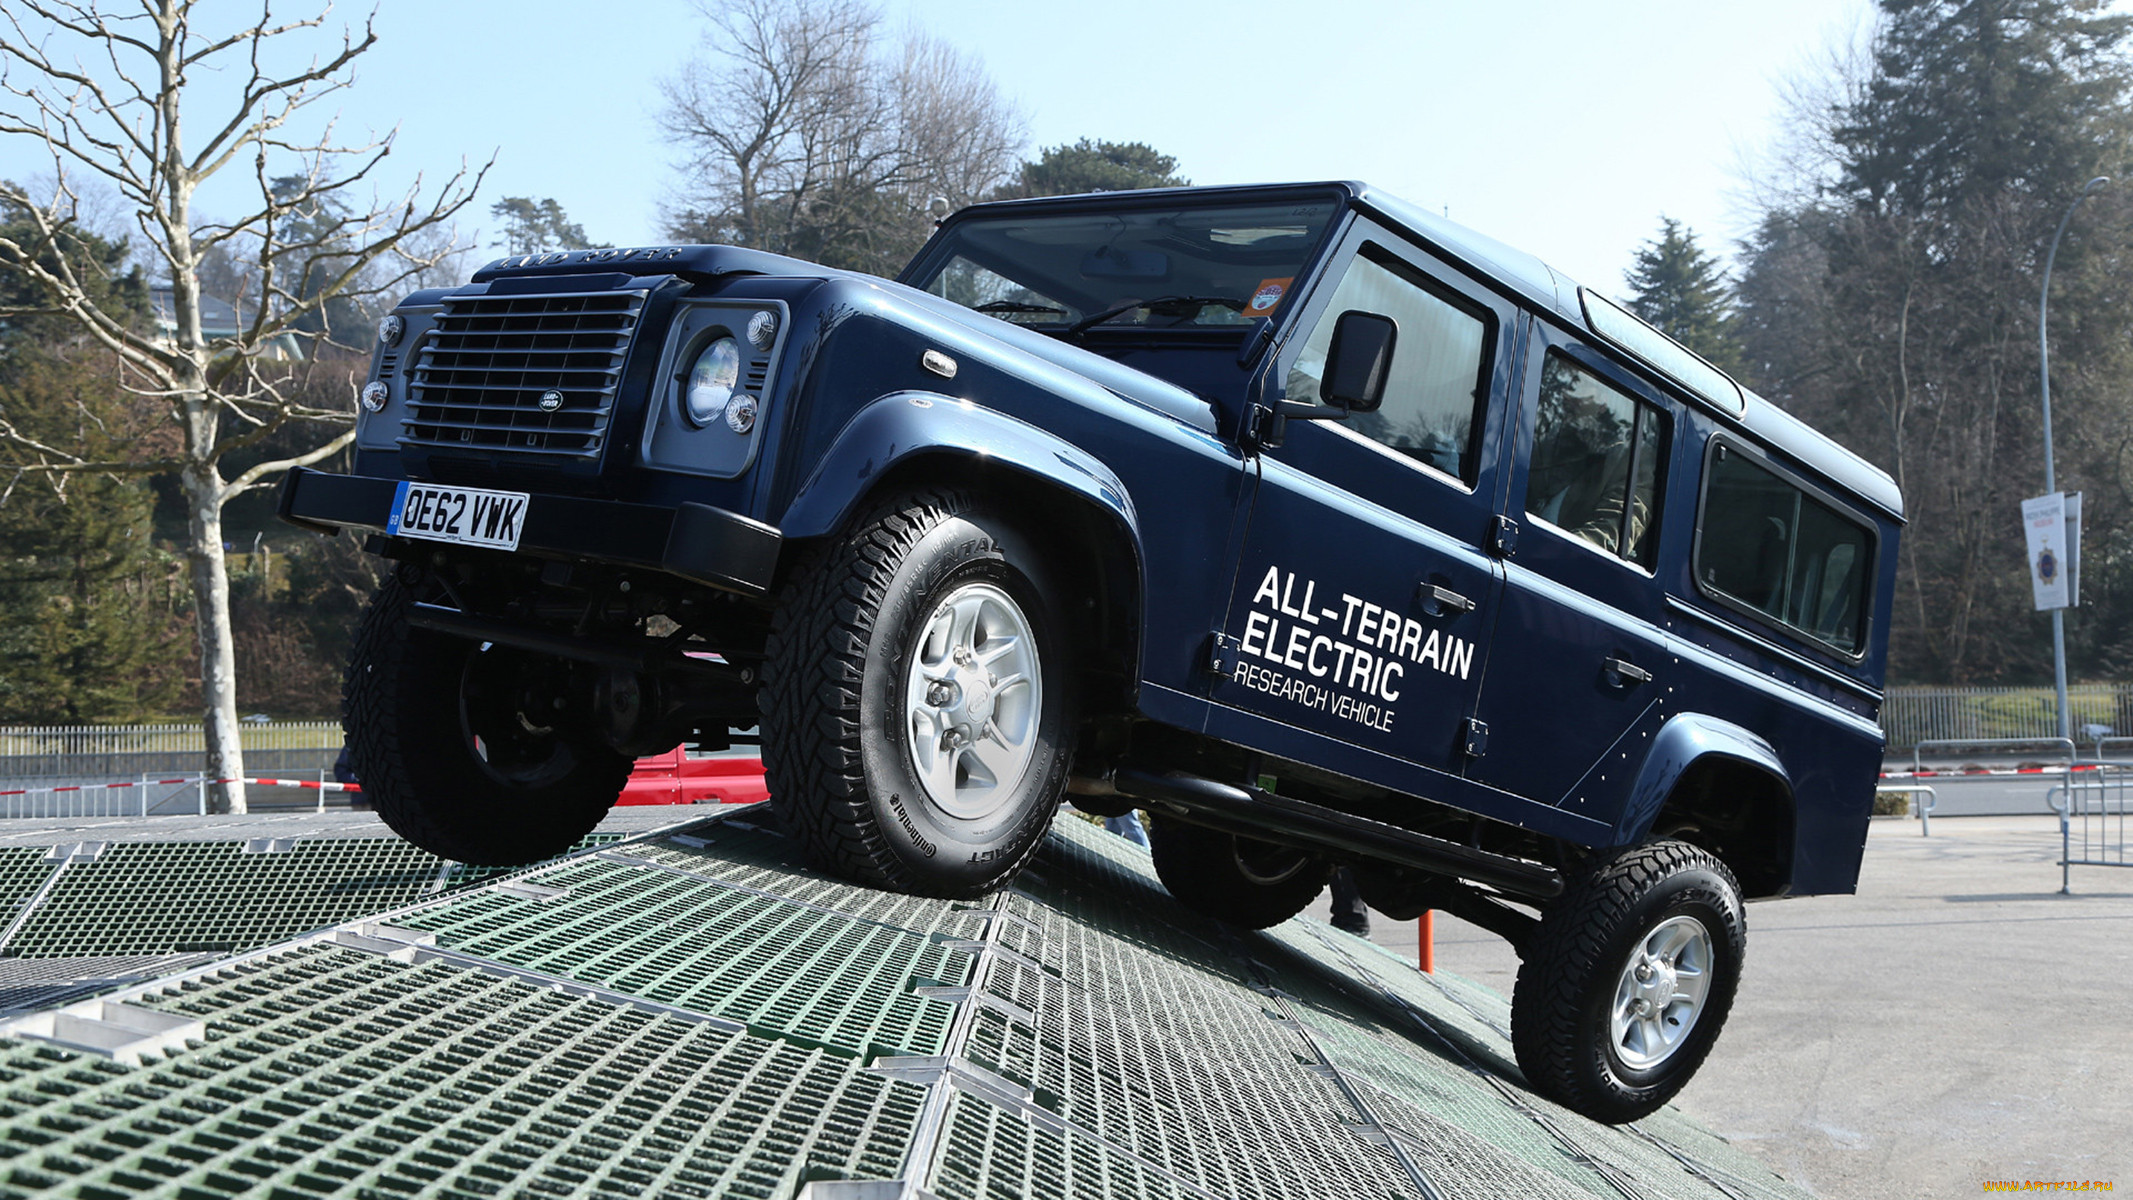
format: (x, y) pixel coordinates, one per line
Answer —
(693, 541)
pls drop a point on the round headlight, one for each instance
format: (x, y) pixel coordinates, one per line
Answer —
(390, 327)
(711, 381)
(375, 394)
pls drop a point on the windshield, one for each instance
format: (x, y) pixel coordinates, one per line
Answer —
(1200, 266)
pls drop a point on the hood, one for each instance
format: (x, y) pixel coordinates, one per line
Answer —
(689, 262)
(706, 263)
(1114, 377)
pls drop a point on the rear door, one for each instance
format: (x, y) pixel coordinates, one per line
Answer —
(1579, 673)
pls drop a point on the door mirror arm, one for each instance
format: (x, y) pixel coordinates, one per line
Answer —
(1358, 361)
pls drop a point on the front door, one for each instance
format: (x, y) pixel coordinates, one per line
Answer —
(1361, 609)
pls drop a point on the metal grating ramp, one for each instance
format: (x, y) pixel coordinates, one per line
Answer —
(795, 971)
(329, 1072)
(23, 872)
(694, 1013)
(179, 897)
(162, 898)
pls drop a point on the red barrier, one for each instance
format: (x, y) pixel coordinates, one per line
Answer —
(670, 778)
(675, 778)
(1934, 773)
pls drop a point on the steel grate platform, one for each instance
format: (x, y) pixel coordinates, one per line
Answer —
(330, 1072)
(692, 1012)
(81, 917)
(794, 971)
(180, 897)
(23, 872)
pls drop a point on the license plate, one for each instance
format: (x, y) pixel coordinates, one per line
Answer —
(467, 516)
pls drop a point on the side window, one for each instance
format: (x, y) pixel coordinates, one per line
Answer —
(1595, 469)
(1769, 545)
(1439, 364)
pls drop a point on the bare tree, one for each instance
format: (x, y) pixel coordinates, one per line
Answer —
(109, 88)
(809, 133)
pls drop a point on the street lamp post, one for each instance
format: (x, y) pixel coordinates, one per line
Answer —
(2051, 482)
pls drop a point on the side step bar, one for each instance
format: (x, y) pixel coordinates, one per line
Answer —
(1252, 812)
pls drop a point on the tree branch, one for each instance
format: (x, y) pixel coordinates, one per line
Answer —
(257, 475)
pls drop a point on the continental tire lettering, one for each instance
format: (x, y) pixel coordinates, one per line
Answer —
(964, 552)
(896, 805)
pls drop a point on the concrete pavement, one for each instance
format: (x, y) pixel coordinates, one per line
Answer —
(1955, 1022)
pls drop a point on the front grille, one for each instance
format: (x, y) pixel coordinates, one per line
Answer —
(480, 379)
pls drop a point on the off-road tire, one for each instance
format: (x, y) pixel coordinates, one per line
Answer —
(403, 714)
(1567, 985)
(836, 730)
(1241, 881)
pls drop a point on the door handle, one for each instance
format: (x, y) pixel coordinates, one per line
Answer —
(1623, 673)
(1436, 601)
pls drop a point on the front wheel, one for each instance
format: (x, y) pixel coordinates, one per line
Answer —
(471, 751)
(1628, 980)
(1239, 880)
(917, 699)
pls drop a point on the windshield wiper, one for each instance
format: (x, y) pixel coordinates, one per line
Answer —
(1016, 306)
(1162, 306)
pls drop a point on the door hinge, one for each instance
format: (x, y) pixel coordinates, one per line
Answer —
(1264, 428)
(1221, 653)
(1503, 536)
(1477, 738)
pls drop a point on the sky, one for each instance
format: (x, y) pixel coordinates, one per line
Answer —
(1563, 128)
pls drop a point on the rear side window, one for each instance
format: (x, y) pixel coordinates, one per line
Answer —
(1769, 545)
(1595, 466)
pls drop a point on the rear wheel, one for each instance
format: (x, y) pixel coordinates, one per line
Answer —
(1628, 979)
(917, 700)
(1240, 880)
(469, 751)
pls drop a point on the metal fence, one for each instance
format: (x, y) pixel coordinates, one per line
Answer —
(1911, 715)
(2092, 806)
(50, 755)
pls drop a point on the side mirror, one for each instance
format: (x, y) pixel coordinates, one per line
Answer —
(1358, 361)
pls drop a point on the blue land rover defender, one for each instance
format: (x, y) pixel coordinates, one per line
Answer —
(1324, 530)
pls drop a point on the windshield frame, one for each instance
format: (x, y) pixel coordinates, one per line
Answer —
(943, 248)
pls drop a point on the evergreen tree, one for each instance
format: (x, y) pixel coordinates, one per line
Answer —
(28, 316)
(1973, 100)
(1095, 166)
(1683, 291)
(83, 636)
(1898, 311)
(322, 234)
(531, 225)
(80, 638)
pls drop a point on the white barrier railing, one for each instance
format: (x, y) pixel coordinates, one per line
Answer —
(1923, 800)
(44, 756)
(144, 797)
